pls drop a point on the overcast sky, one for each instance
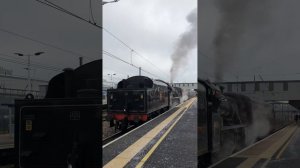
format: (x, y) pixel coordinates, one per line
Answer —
(240, 39)
(152, 28)
(39, 22)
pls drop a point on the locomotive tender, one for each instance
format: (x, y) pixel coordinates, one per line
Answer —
(137, 99)
(63, 129)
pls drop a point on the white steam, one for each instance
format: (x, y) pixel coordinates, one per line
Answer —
(184, 96)
(261, 125)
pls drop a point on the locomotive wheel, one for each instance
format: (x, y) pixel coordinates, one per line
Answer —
(117, 126)
(111, 123)
(124, 125)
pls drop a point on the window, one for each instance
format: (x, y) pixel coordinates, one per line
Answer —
(271, 86)
(285, 86)
(256, 87)
(243, 87)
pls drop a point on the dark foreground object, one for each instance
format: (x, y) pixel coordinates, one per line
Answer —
(55, 133)
(7, 156)
(64, 129)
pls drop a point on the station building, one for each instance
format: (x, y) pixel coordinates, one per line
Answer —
(284, 95)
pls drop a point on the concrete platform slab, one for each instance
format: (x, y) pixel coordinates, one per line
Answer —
(280, 149)
(173, 131)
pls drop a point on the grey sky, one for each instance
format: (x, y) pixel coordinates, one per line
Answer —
(257, 37)
(152, 28)
(32, 19)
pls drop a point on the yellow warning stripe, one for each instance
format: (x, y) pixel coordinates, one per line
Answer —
(146, 157)
(285, 146)
(282, 136)
(124, 157)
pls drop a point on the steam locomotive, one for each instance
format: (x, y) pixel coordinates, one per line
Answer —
(226, 122)
(137, 99)
(64, 128)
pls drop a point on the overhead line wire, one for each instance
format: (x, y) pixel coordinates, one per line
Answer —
(57, 7)
(113, 56)
(44, 43)
(131, 49)
(150, 62)
(91, 11)
(34, 64)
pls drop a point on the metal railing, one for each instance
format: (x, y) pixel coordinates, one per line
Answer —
(17, 92)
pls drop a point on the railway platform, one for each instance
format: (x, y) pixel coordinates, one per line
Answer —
(6, 149)
(169, 140)
(281, 149)
(6, 141)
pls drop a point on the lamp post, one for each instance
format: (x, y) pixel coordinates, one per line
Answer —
(28, 66)
(111, 79)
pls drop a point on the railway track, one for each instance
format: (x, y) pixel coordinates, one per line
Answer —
(116, 135)
(120, 133)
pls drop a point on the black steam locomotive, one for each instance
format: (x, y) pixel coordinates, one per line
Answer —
(137, 99)
(226, 122)
(64, 128)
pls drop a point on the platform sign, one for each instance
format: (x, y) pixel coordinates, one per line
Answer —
(55, 134)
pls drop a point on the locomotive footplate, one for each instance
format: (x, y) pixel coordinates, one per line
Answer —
(169, 140)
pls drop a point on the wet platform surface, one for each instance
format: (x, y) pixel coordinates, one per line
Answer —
(279, 150)
(170, 140)
(6, 150)
(6, 141)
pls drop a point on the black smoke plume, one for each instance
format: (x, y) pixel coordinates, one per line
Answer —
(186, 42)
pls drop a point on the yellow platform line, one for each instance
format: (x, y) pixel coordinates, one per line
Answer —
(146, 157)
(285, 146)
(124, 157)
(270, 151)
(276, 146)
